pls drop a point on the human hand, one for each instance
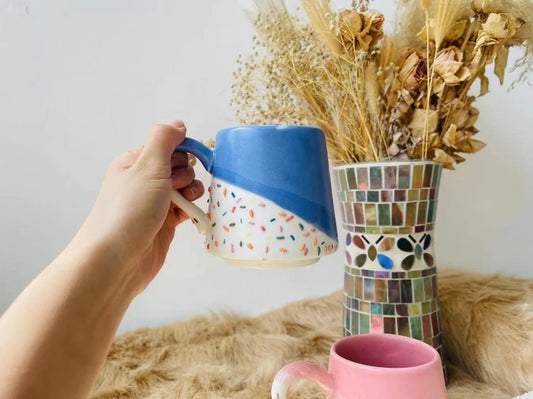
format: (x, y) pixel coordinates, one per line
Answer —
(133, 217)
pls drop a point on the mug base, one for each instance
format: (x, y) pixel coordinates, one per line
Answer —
(271, 263)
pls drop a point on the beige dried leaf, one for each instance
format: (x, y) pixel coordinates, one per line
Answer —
(442, 157)
(500, 26)
(470, 146)
(484, 85)
(417, 124)
(456, 31)
(458, 158)
(449, 136)
(472, 118)
(501, 63)
(394, 149)
(476, 145)
(428, 29)
(449, 66)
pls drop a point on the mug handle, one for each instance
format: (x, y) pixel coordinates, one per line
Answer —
(205, 156)
(301, 371)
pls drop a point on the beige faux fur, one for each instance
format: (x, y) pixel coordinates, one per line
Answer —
(488, 323)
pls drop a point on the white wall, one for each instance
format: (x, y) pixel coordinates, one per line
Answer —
(81, 81)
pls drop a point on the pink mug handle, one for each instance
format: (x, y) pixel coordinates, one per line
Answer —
(301, 371)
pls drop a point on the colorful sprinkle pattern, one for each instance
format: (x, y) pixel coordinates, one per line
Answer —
(388, 212)
(247, 226)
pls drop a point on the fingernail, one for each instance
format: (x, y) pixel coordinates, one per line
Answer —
(193, 191)
(181, 129)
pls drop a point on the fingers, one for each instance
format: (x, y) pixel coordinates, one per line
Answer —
(182, 177)
(193, 191)
(128, 158)
(179, 160)
(162, 141)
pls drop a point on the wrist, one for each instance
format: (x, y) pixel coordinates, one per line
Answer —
(103, 262)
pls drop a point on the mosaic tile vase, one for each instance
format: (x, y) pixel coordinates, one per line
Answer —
(388, 216)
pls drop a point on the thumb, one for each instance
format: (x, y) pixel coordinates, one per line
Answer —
(161, 143)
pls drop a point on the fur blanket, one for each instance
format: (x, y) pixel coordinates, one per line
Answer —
(488, 322)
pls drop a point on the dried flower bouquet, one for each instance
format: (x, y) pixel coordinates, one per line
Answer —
(404, 95)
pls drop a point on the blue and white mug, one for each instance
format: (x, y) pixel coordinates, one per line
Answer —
(270, 201)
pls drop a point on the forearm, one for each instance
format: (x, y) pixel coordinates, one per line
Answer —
(54, 337)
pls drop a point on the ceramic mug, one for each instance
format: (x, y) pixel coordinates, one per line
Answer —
(372, 366)
(270, 201)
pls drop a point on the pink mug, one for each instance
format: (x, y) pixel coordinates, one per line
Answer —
(372, 366)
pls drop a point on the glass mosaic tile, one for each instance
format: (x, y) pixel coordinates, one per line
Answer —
(407, 292)
(402, 310)
(376, 324)
(360, 196)
(376, 181)
(417, 176)
(388, 309)
(428, 289)
(399, 195)
(358, 287)
(422, 212)
(362, 178)
(342, 177)
(413, 195)
(354, 322)
(389, 325)
(350, 196)
(387, 195)
(370, 214)
(414, 309)
(364, 323)
(410, 213)
(350, 176)
(403, 326)
(416, 327)
(391, 176)
(376, 308)
(359, 214)
(426, 327)
(348, 212)
(384, 214)
(418, 288)
(369, 289)
(372, 196)
(431, 212)
(428, 170)
(394, 291)
(404, 176)
(381, 290)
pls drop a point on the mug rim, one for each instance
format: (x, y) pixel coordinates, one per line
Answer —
(391, 337)
(387, 162)
(264, 127)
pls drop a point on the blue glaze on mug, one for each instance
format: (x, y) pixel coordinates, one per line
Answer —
(285, 164)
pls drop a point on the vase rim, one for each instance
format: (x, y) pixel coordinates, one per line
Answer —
(388, 162)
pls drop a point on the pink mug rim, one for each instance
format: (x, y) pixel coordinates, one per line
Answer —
(391, 337)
